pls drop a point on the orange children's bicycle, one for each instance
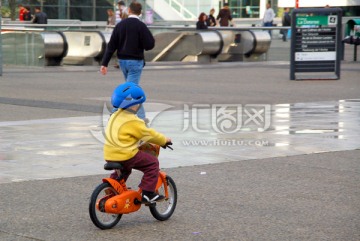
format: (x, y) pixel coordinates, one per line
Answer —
(112, 198)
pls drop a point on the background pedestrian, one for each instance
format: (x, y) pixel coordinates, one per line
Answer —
(211, 21)
(268, 17)
(201, 23)
(286, 22)
(224, 17)
(39, 16)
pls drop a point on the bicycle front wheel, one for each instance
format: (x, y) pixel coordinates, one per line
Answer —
(101, 219)
(163, 210)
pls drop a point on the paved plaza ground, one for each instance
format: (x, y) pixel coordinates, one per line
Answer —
(291, 171)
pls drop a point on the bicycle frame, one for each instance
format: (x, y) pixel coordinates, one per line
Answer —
(128, 201)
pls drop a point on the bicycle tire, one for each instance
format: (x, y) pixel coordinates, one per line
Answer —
(100, 219)
(165, 209)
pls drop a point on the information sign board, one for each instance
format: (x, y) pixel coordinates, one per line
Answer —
(315, 44)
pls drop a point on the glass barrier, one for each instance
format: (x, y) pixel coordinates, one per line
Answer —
(23, 48)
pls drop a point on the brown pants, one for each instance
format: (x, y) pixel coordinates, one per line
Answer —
(146, 163)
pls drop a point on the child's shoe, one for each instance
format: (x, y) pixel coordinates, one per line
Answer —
(151, 197)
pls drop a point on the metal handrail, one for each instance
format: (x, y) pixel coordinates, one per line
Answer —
(218, 28)
(96, 26)
(167, 48)
(7, 25)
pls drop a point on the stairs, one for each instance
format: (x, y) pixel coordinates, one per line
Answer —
(170, 10)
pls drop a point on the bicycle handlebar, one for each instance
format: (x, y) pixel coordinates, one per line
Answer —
(168, 145)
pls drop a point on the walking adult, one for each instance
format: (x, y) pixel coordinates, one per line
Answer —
(211, 21)
(121, 12)
(111, 17)
(130, 38)
(286, 22)
(268, 17)
(224, 17)
(39, 16)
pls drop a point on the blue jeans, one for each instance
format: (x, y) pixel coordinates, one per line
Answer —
(268, 24)
(132, 70)
(284, 33)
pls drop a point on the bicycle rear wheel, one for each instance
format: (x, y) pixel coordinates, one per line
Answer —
(163, 210)
(101, 219)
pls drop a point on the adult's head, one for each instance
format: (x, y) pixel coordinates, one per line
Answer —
(268, 5)
(212, 11)
(202, 17)
(121, 3)
(37, 9)
(110, 12)
(135, 8)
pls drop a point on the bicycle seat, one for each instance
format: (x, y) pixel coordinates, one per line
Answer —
(113, 165)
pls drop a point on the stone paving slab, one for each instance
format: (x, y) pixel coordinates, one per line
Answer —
(70, 147)
(277, 189)
(303, 197)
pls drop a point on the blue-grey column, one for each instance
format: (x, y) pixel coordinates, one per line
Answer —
(1, 61)
(62, 9)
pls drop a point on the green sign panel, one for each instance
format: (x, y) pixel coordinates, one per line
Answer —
(312, 20)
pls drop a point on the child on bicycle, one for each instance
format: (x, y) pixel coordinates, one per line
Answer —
(123, 133)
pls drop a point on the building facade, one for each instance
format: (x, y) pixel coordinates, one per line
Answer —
(349, 7)
(95, 10)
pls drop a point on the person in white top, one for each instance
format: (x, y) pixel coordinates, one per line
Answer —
(268, 17)
(121, 12)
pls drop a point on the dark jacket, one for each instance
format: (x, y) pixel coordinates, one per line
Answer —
(286, 20)
(27, 16)
(129, 38)
(40, 18)
(224, 16)
(201, 25)
(211, 22)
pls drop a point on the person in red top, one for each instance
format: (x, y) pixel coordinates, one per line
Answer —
(22, 10)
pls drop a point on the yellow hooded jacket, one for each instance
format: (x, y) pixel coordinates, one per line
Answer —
(123, 133)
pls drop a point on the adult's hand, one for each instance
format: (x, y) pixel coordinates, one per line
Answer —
(103, 70)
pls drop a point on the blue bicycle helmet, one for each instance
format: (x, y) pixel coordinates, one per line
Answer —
(127, 95)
